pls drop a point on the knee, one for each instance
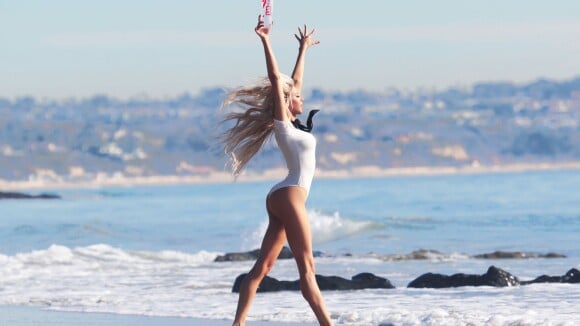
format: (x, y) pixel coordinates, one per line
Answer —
(260, 270)
(308, 278)
(306, 267)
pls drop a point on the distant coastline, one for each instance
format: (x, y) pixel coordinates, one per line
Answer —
(102, 141)
(275, 174)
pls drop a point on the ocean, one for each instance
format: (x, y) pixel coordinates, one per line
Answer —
(150, 250)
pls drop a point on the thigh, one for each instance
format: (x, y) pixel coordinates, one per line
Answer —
(273, 241)
(288, 205)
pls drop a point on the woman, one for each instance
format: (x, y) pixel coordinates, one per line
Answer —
(273, 106)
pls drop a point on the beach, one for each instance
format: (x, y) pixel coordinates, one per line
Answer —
(26, 316)
(125, 254)
(103, 180)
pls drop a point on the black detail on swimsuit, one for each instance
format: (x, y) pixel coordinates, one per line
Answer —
(308, 127)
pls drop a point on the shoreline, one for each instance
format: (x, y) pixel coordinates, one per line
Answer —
(20, 315)
(278, 173)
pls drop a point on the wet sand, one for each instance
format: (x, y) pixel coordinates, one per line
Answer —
(28, 315)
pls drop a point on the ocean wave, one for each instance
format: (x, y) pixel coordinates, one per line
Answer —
(104, 278)
(327, 228)
(103, 254)
(424, 254)
(324, 227)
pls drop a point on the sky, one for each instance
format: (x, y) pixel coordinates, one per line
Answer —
(134, 48)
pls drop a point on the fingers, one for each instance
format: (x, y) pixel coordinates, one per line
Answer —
(304, 31)
(260, 23)
(304, 37)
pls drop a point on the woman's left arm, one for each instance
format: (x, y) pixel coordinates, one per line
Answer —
(306, 41)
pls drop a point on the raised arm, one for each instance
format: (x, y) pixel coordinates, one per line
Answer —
(280, 106)
(305, 40)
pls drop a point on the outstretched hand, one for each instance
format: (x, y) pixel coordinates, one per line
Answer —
(305, 38)
(262, 31)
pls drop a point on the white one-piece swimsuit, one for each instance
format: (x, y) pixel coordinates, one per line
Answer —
(299, 150)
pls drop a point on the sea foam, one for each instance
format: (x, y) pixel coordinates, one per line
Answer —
(102, 254)
(324, 227)
(103, 278)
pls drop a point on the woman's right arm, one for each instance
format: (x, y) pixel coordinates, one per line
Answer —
(273, 72)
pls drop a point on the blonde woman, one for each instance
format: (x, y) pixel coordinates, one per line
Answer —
(272, 106)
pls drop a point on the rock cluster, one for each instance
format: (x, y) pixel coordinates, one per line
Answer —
(572, 276)
(285, 253)
(517, 255)
(18, 195)
(421, 254)
(326, 283)
(494, 276)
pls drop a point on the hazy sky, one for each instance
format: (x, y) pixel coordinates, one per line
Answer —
(126, 48)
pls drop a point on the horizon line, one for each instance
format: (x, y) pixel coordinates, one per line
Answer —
(417, 89)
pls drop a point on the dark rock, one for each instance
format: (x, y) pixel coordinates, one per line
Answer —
(334, 283)
(357, 282)
(552, 255)
(18, 195)
(325, 283)
(317, 253)
(238, 282)
(239, 256)
(493, 277)
(268, 284)
(517, 255)
(421, 254)
(285, 253)
(499, 278)
(371, 281)
(572, 276)
(430, 254)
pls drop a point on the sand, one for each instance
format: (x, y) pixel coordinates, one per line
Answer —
(61, 182)
(28, 315)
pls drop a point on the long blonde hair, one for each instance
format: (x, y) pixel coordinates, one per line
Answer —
(253, 123)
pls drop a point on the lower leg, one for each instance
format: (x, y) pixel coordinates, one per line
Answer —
(248, 290)
(272, 243)
(311, 293)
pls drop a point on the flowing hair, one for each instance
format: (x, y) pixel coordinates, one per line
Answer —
(253, 124)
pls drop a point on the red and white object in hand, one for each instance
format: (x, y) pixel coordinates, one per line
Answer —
(267, 7)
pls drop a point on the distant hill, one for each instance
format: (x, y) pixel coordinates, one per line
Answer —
(491, 123)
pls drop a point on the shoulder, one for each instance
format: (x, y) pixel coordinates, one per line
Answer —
(282, 125)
